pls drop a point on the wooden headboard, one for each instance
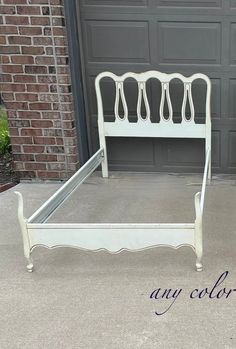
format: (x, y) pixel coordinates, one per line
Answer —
(166, 127)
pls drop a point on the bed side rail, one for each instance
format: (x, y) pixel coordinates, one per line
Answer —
(54, 202)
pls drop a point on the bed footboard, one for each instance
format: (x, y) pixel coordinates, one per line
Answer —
(113, 238)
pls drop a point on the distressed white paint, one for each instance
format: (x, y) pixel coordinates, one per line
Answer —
(133, 237)
(144, 127)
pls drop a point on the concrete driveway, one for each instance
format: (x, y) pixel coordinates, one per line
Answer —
(77, 299)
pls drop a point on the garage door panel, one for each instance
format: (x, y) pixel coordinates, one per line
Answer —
(115, 3)
(232, 99)
(189, 43)
(140, 153)
(190, 3)
(131, 38)
(232, 43)
(233, 4)
(231, 149)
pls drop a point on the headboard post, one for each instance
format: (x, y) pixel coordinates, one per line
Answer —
(208, 124)
(101, 131)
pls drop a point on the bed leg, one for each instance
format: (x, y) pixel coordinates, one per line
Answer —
(104, 165)
(198, 233)
(209, 171)
(199, 266)
(30, 266)
(104, 169)
(24, 232)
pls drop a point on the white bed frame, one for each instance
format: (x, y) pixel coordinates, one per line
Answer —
(115, 237)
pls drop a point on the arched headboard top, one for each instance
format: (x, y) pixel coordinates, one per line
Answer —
(144, 127)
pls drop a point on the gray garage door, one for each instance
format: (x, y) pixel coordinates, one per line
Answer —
(170, 36)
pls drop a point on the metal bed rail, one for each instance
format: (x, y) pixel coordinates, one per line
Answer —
(56, 200)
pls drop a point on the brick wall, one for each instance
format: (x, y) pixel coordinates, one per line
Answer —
(36, 88)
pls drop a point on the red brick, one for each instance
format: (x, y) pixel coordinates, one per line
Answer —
(37, 88)
(55, 149)
(58, 21)
(44, 140)
(49, 51)
(12, 114)
(61, 51)
(21, 140)
(31, 50)
(16, 148)
(31, 132)
(15, 2)
(30, 31)
(27, 174)
(28, 10)
(25, 78)
(45, 157)
(51, 115)
(56, 166)
(40, 106)
(9, 49)
(5, 59)
(57, 11)
(49, 174)
(33, 149)
(24, 157)
(35, 166)
(19, 166)
(22, 59)
(10, 10)
(26, 97)
(60, 41)
(41, 123)
(29, 114)
(7, 96)
(44, 60)
(39, 1)
(49, 97)
(47, 79)
(12, 69)
(14, 131)
(59, 31)
(64, 80)
(60, 141)
(44, 41)
(72, 159)
(61, 158)
(35, 69)
(2, 40)
(8, 29)
(16, 105)
(5, 78)
(55, 2)
(21, 40)
(13, 87)
(19, 123)
(40, 21)
(17, 20)
(53, 132)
